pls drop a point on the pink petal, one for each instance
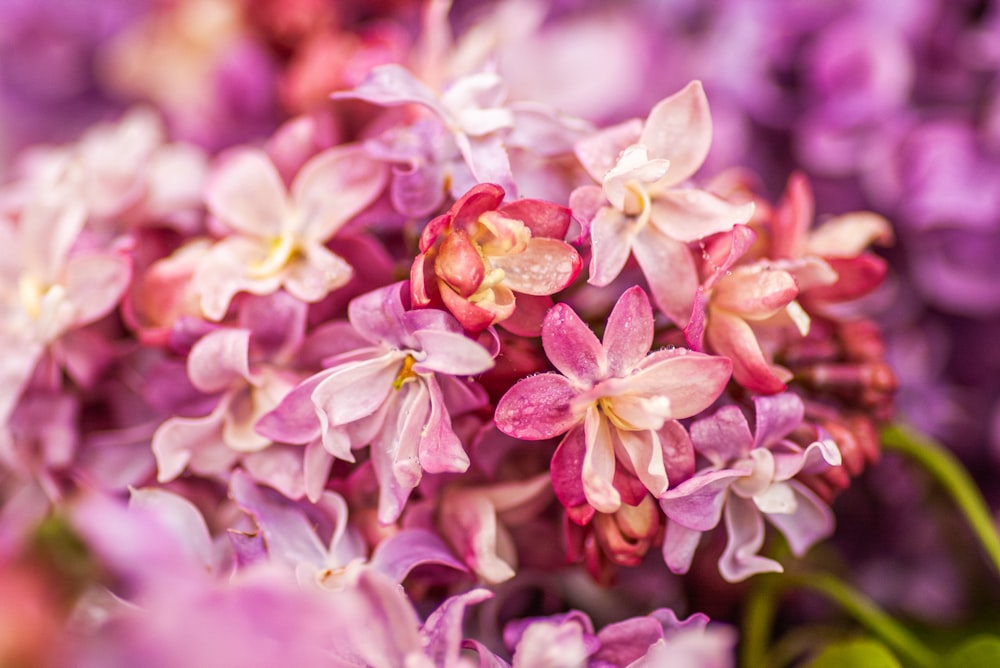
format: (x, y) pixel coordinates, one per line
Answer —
(537, 407)
(247, 194)
(315, 274)
(612, 237)
(679, 545)
(356, 390)
(698, 501)
(95, 282)
(745, 528)
(691, 381)
(544, 219)
(629, 332)
(811, 521)
(680, 128)
(599, 152)
(572, 347)
(294, 420)
(401, 552)
(442, 631)
(731, 336)
(546, 266)
(670, 272)
(459, 263)
(678, 451)
(528, 316)
(451, 353)
(777, 417)
(599, 464)
(646, 456)
(755, 292)
(392, 85)
(469, 522)
(689, 214)
(724, 436)
(848, 235)
(182, 520)
(567, 470)
(377, 315)
(440, 449)
(219, 359)
(178, 438)
(333, 187)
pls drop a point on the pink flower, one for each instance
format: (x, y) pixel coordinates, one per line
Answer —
(278, 235)
(640, 209)
(615, 401)
(474, 259)
(749, 477)
(397, 391)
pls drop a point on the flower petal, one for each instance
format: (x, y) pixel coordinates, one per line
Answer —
(745, 528)
(246, 193)
(680, 128)
(333, 187)
(731, 336)
(544, 267)
(451, 353)
(690, 380)
(599, 464)
(612, 236)
(572, 347)
(724, 436)
(670, 272)
(316, 273)
(629, 332)
(689, 214)
(679, 545)
(811, 521)
(357, 389)
(646, 457)
(537, 407)
(698, 501)
(219, 359)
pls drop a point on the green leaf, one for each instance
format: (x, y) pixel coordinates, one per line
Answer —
(854, 653)
(979, 652)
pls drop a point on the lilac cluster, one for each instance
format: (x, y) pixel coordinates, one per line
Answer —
(402, 334)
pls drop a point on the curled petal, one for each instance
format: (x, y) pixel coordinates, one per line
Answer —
(599, 464)
(546, 220)
(698, 501)
(356, 390)
(756, 292)
(810, 521)
(218, 359)
(599, 151)
(451, 353)
(745, 528)
(850, 234)
(724, 436)
(440, 449)
(679, 545)
(777, 417)
(400, 553)
(731, 336)
(459, 264)
(645, 454)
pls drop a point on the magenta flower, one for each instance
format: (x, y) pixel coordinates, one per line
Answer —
(615, 401)
(397, 391)
(278, 235)
(749, 477)
(483, 258)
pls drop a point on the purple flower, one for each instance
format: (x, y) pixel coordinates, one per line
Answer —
(398, 391)
(749, 476)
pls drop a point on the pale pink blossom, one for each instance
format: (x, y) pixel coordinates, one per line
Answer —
(278, 235)
(642, 207)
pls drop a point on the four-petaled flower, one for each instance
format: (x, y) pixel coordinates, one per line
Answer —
(614, 401)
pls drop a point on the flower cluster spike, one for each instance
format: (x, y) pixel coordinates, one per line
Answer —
(346, 374)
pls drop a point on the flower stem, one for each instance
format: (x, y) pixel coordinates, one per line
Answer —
(864, 610)
(941, 464)
(758, 618)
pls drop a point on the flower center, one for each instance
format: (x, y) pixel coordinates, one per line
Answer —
(406, 373)
(280, 251)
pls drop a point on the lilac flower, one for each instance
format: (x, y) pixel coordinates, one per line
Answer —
(290, 538)
(748, 477)
(659, 639)
(641, 211)
(398, 391)
(614, 400)
(278, 236)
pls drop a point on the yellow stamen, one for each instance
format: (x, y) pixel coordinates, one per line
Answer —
(281, 250)
(406, 373)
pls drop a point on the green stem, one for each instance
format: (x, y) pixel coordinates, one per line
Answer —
(941, 464)
(864, 610)
(758, 618)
